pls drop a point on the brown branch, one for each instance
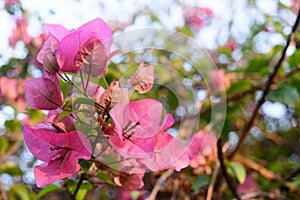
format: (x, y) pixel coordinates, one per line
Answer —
(268, 195)
(82, 177)
(254, 117)
(271, 176)
(225, 173)
(213, 181)
(157, 186)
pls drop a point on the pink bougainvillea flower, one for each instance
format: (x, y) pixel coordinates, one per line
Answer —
(10, 2)
(129, 181)
(59, 151)
(197, 17)
(168, 151)
(47, 54)
(14, 91)
(218, 80)
(136, 125)
(142, 80)
(87, 48)
(65, 124)
(202, 149)
(19, 33)
(44, 93)
(248, 186)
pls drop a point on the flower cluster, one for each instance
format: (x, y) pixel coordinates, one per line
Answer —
(135, 131)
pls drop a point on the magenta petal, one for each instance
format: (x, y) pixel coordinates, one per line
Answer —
(39, 148)
(98, 27)
(57, 31)
(168, 153)
(66, 124)
(44, 93)
(133, 148)
(168, 122)
(120, 114)
(92, 58)
(66, 52)
(145, 111)
(53, 171)
(142, 80)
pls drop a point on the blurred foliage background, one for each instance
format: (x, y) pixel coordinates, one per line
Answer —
(244, 38)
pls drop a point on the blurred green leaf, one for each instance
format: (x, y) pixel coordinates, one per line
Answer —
(11, 169)
(286, 94)
(84, 188)
(201, 180)
(4, 145)
(46, 190)
(22, 192)
(239, 171)
(13, 125)
(258, 64)
(85, 164)
(104, 175)
(239, 86)
(35, 115)
(294, 59)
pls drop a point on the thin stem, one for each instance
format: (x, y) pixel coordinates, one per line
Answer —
(225, 173)
(158, 184)
(269, 175)
(88, 78)
(82, 82)
(82, 177)
(213, 181)
(254, 118)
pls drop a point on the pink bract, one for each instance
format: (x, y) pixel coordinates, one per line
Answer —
(168, 150)
(88, 46)
(248, 186)
(142, 80)
(46, 56)
(130, 181)
(44, 93)
(59, 151)
(136, 125)
(202, 149)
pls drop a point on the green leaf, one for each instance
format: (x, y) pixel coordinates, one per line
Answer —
(36, 115)
(239, 86)
(13, 125)
(200, 181)
(84, 188)
(294, 59)
(103, 175)
(4, 145)
(285, 94)
(258, 64)
(239, 171)
(63, 114)
(22, 191)
(46, 190)
(11, 169)
(85, 164)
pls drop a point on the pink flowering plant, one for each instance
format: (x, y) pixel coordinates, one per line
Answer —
(96, 128)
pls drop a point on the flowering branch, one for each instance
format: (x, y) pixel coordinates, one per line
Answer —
(225, 173)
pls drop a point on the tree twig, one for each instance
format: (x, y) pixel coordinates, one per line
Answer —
(212, 182)
(225, 173)
(254, 117)
(157, 186)
(268, 195)
(82, 177)
(271, 176)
